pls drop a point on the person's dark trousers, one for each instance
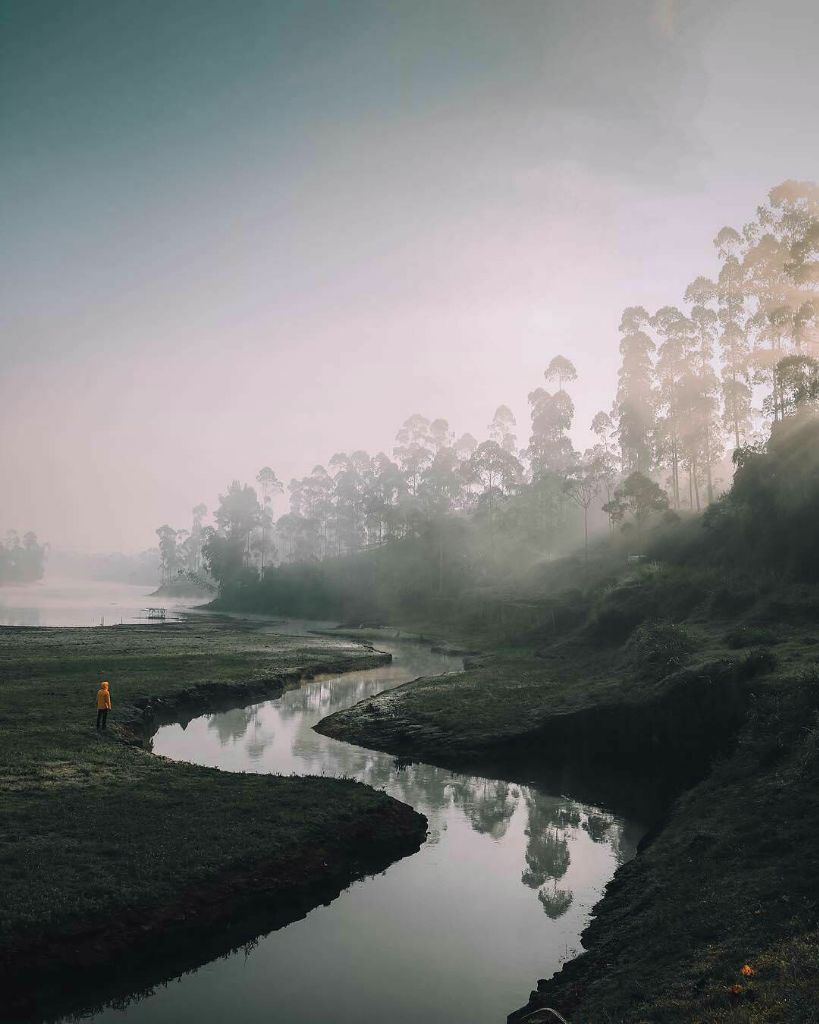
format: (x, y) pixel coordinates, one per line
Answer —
(102, 716)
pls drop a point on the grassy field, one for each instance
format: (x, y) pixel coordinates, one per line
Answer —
(713, 679)
(102, 842)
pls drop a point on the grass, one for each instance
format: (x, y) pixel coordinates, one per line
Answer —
(98, 833)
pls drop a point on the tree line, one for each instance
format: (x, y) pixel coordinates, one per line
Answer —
(709, 376)
(22, 560)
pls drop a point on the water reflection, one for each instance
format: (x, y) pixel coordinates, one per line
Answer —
(497, 895)
(278, 736)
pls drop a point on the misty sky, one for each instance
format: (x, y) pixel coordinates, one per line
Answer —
(246, 233)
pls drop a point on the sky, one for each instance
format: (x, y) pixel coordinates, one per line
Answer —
(256, 233)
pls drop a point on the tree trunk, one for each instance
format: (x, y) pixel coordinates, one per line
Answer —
(708, 465)
(586, 529)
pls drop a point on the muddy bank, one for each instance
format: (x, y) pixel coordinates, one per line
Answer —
(390, 633)
(677, 725)
(109, 852)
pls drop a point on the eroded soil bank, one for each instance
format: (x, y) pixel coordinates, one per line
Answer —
(728, 879)
(113, 857)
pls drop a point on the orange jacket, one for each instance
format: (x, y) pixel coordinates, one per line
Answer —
(103, 697)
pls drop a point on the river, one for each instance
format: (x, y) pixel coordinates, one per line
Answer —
(455, 934)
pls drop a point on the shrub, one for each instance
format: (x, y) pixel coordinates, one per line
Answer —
(618, 609)
(729, 601)
(657, 647)
(750, 636)
(755, 662)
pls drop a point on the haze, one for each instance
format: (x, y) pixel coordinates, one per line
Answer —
(254, 234)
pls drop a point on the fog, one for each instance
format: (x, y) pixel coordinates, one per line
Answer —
(255, 234)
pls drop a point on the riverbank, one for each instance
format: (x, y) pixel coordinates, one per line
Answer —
(723, 704)
(110, 854)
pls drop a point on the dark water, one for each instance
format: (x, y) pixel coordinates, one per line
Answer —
(457, 933)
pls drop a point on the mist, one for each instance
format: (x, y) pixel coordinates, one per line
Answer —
(258, 237)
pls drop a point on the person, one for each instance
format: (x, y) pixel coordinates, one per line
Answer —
(103, 705)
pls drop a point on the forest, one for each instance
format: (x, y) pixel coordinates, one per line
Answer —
(703, 384)
(22, 560)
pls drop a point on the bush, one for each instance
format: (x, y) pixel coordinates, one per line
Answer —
(652, 592)
(657, 648)
(750, 636)
(618, 609)
(729, 601)
(755, 662)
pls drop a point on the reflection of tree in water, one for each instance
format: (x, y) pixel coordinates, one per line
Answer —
(621, 836)
(624, 840)
(258, 742)
(567, 817)
(597, 826)
(316, 700)
(547, 856)
(422, 785)
(488, 803)
(547, 850)
(231, 726)
(556, 902)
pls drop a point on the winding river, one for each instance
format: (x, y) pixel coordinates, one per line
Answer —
(455, 934)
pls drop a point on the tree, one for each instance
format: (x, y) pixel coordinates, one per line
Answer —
(442, 483)
(348, 482)
(550, 449)
(604, 453)
(562, 370)
(638, 496)
(440, 436)
(223, 556)
(784, 297)
(311, 499)
(500, 429)
(22, 562)
(414, 449)
(167, 553)
(195, 546)
(797, 384)
(583, 486)
(496, 470)
(465, 446)
(803, 266)
(634, 404)
(389, 491)
(673, 362)
(702, 441)
(729, 291)
(238, 514)
(270, 485)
